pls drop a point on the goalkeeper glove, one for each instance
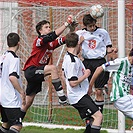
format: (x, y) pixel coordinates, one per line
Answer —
(70, 20)
(72, 26)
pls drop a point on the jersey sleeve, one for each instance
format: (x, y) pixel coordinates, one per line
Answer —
(45, 39)
(111, 66)
(72, 73)
(49, 37)
(70, 70)
(14, 68)
(80, 33)
(108, 40)
(50, 40)
(58, 42)
(1, 62)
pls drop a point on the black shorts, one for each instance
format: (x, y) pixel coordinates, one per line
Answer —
(86, 107)
(92, 64)
(11, 115)
(35, 77)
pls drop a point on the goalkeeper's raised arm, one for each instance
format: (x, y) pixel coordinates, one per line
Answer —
(70, 22)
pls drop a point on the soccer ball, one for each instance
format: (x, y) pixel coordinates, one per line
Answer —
(96, 11)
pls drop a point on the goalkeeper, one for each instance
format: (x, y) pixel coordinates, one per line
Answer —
(37, 66)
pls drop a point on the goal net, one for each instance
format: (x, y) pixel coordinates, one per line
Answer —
(21, 17)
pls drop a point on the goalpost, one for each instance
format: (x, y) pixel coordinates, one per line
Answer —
(22, 17)
(121, 53)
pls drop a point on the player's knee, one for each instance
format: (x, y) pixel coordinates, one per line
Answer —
(98, 116)
(53, 68)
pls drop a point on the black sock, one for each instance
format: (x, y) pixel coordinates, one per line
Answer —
(23, 113)
(88, 129)
(3, 129)
(88, 121)
(58, 87)
(100, 105)
(95, 129)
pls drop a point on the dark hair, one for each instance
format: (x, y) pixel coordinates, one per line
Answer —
(71, 39)
(87, 19)
(131, 52)
(12, 39)
(40, 25)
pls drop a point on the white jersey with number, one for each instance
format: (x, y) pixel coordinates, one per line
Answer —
(95, 43)
(121, 74)
(10, 97)
(73, 69)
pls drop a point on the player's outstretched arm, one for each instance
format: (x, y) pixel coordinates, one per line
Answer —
(69, 20)
(80, 79)
(111, 53)
(81, 39)
(111, 50)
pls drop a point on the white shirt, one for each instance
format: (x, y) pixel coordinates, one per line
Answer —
(0, 76)
(132, 76)
(0, 91)
(10, 97)
(121, 73)
(73, 69)
(1, 62)
(95, 43)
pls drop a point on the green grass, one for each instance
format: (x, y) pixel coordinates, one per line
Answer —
(70, 116)
(32, 129)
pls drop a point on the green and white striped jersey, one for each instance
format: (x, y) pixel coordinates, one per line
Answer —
(120, 70)
(132, 76)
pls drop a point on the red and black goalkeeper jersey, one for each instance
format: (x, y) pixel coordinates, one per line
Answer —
(42, 49)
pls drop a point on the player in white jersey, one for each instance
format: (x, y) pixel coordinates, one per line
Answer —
(12, 94)
(120, 70)
(131, 91)
(1, 59)
(96, 45)
(77, 85)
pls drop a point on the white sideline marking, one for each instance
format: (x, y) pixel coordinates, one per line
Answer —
(65, 127)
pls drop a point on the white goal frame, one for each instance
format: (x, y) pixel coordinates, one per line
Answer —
(121, 53)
